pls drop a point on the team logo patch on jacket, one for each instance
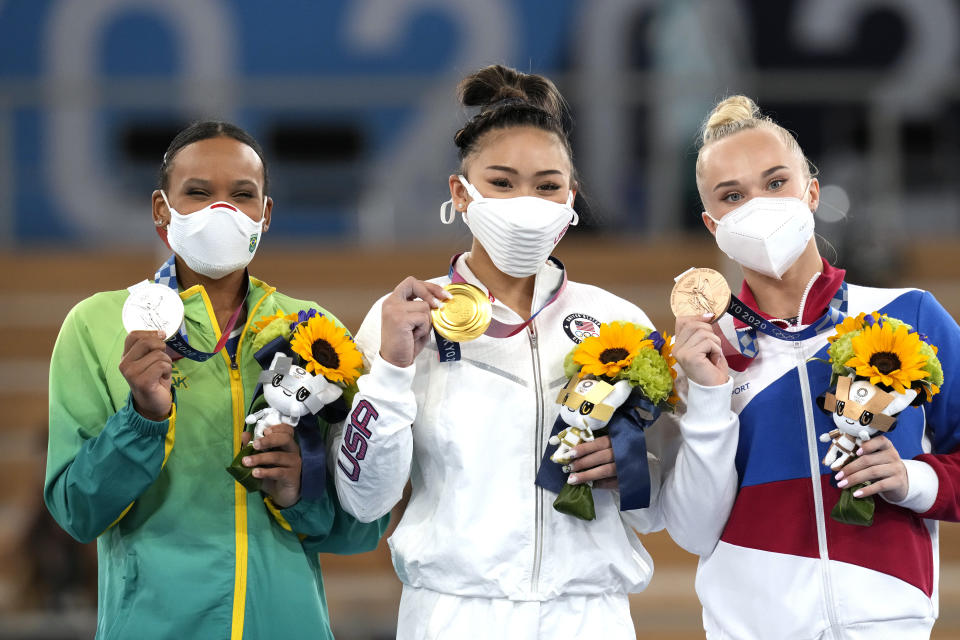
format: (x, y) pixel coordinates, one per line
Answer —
(579, 326)
(178, 380)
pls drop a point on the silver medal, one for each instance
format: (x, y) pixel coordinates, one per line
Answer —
(152, 306)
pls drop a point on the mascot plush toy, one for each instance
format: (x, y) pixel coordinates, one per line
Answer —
(586, 406)
(860, 410)
(291, 393)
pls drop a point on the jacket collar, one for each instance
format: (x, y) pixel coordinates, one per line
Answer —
(547, 279)
(822, 291)
(167, 274)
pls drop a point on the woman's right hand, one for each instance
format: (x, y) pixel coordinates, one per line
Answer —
(697, 348)
(149, 371)
(406, 323)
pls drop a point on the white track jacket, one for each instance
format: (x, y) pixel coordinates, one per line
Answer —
(469, 435)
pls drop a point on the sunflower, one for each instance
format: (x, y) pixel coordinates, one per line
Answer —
(852, 324)
(667, 353)
(614, 349)
(261, 324)
(327, 350)
(888, 356)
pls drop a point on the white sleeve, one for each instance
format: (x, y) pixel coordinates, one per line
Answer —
(700, 482)
(923, 487)
(373, 448)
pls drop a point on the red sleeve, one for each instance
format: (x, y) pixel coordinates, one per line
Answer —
(947, 504)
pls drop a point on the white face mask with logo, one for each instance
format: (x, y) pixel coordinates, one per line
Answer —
(766, 235)
(517, 233)
(216, 240)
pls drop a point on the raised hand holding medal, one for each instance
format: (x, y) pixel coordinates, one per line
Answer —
(699, 298)
(405, 320)
(150, 316)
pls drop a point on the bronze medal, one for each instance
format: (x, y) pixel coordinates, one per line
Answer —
(465, 316)
(698, 292)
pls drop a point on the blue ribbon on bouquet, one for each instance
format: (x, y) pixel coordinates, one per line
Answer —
(629, 443)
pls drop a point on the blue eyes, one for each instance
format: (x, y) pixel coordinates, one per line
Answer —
(774, 185)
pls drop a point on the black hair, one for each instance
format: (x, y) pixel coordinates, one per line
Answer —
(204, 130)
(509, 98)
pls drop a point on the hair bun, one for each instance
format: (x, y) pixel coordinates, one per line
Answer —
(729, 111)
(498, 83)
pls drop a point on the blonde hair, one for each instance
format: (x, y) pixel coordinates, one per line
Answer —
(738, 113)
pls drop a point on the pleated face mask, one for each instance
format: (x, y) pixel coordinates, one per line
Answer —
(216, 240)
(517, 233)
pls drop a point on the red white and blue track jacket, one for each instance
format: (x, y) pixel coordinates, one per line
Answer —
(782, 567)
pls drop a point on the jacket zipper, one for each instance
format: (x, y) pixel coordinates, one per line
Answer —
(812, 452)
(538, 515)
(240, 494)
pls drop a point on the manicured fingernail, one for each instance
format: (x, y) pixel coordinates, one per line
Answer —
(707, 316)
(447, 295)
(437, 304)
(256, 473)
(839, 476)
(572, 454)
(860, 451)
(567, 468)
(161, 335)
(246, 461)
(572, 479)
(842, 484)
(256, 444)
(857, 494)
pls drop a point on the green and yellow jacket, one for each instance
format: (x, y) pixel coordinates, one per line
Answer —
(184, 551)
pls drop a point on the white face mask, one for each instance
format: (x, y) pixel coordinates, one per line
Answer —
(517, 233)
(766, 235)
(216, 240)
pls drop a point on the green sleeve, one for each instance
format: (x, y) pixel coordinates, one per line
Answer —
(308, 517)
(346, 534)
(99, 458)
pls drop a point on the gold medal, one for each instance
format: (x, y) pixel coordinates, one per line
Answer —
(465, 316)
(700, 291)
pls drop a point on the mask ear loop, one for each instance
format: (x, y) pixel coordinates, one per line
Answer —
(161, 230)
(576, 216)
(172, 210)
(471, 190)
(447, 214)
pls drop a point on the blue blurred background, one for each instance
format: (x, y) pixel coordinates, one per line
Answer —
(354, 104)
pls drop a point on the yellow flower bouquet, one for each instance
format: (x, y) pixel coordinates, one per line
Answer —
(620, 382)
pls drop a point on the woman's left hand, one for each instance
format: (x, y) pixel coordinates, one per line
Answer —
(880, 463)
(593, 461)
(279, 466)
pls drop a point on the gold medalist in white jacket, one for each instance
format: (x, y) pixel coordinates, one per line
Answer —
(469, 434)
